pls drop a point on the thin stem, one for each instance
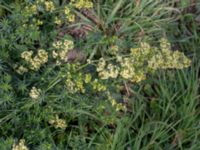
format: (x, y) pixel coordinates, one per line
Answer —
(4, 7)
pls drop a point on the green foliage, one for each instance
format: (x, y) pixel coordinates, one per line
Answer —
(89, 75)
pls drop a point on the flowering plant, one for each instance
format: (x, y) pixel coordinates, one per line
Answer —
(59, 58)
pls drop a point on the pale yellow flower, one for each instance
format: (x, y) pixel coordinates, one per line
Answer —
(58, 21)
(101, 65)
(43, 56)
(67, 10)
(27, 55)
(71, 18)
(113, 71)
(87, 4)
(39, 22)
(35, 63)
(114, 49)
(20, 146)
(63, 55)
(68, 44)
(88, 78)
(49, 5)
(35, 93)
(54, 54)
(58, 123)
(22, 70)
(98, 86)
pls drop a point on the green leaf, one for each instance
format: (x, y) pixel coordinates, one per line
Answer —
(114, 12)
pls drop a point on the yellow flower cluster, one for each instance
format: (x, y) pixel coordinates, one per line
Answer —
(35, 93)
(88, 78)
(49, 6)
(141, 53)
(125, 69)
(117, 106)
(97, 86)
(58, 123)
(142, 60)
(114, 49)
(128, 71)
(166, 59)
(58, 21)
(37, 61)
(76, 81)
(80, 81)
(30, 10)
(69, 15)
(20, 146)
(107, 71)
(75, 85)
(37, 22)
(71, 86)
(62, 48)
(27, 55)
(82, 4)
(21, 70)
